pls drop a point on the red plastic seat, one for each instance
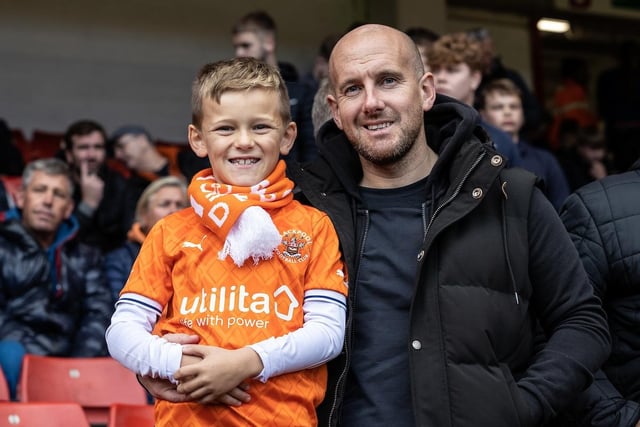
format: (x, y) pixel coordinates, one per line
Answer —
(95, 383)
(66, 414)
(19, 139)
(124, 415)
(4, 388)
(44, 144)
(170, 150)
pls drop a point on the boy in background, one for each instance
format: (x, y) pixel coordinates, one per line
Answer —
(257, 276)
(501, 106)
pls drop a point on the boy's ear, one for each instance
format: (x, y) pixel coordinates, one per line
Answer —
(289, 137)
(196, 142)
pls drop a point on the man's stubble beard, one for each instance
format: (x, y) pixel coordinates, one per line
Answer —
(407, 140)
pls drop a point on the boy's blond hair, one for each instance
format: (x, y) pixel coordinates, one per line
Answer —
(238, 74)
(457, 48)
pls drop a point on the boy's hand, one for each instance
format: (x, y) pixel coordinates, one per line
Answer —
(219, 376)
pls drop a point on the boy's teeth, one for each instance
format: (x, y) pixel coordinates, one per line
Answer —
(243, 161)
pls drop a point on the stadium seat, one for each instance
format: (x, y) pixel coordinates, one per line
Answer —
(19, 139)
(59, 414)
(170, 150)
(4, 388)
(95, 383)
(125, 415)
(44, 144)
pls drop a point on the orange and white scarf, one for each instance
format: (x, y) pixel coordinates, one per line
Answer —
(239, 214)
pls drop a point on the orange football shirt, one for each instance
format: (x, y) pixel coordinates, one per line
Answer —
(231, 307)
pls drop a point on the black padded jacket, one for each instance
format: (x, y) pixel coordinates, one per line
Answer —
(473, 353)
(603, 219)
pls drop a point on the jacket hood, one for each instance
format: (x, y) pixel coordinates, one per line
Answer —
(448, 124)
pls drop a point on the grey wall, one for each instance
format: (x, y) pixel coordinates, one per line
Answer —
(132, 62)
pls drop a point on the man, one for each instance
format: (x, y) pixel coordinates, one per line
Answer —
(55, 300)
(444, 294)
(495, 69)
(104, 202)
(134, 146)
(456, 62)
(254, 35)
(603, 220)
(441, 333)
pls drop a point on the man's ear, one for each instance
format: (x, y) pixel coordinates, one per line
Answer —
(196, 141)
(476, 79)
(19, 197)
(335, 111)
(289, 137)
(69, 210)
(428, 88)
(269, 43)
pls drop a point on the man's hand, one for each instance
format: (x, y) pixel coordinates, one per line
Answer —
(162, 389)
(91, 185)
(219, 376)
(165, 389)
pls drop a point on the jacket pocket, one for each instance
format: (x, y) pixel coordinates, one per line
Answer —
(522, 409)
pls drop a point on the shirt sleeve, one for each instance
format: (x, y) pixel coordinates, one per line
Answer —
(319, 340)
(131, 342)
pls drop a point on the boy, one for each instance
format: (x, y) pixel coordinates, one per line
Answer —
(457, 63)
(256, 275)
(501, 106)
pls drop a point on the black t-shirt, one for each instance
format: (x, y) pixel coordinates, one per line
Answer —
(378, 389)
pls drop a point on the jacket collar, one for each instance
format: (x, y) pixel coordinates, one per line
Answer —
(67, 229)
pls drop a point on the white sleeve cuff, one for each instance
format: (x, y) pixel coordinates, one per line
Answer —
(131, 343)
(319, 340)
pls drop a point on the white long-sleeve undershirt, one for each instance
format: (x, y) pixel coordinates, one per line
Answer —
(319, 340)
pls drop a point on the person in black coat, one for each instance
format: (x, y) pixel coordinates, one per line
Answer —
(254, 35)
(603, 219)
(53, 297)
(104, 201)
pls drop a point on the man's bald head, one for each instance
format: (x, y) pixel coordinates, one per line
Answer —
(376, 37)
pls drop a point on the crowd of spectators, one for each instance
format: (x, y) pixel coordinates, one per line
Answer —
(72, 222)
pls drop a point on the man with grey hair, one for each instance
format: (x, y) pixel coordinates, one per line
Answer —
(54, 299)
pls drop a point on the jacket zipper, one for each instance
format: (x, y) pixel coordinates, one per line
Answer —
(433, 216)
(455, 193)
(343, 374)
